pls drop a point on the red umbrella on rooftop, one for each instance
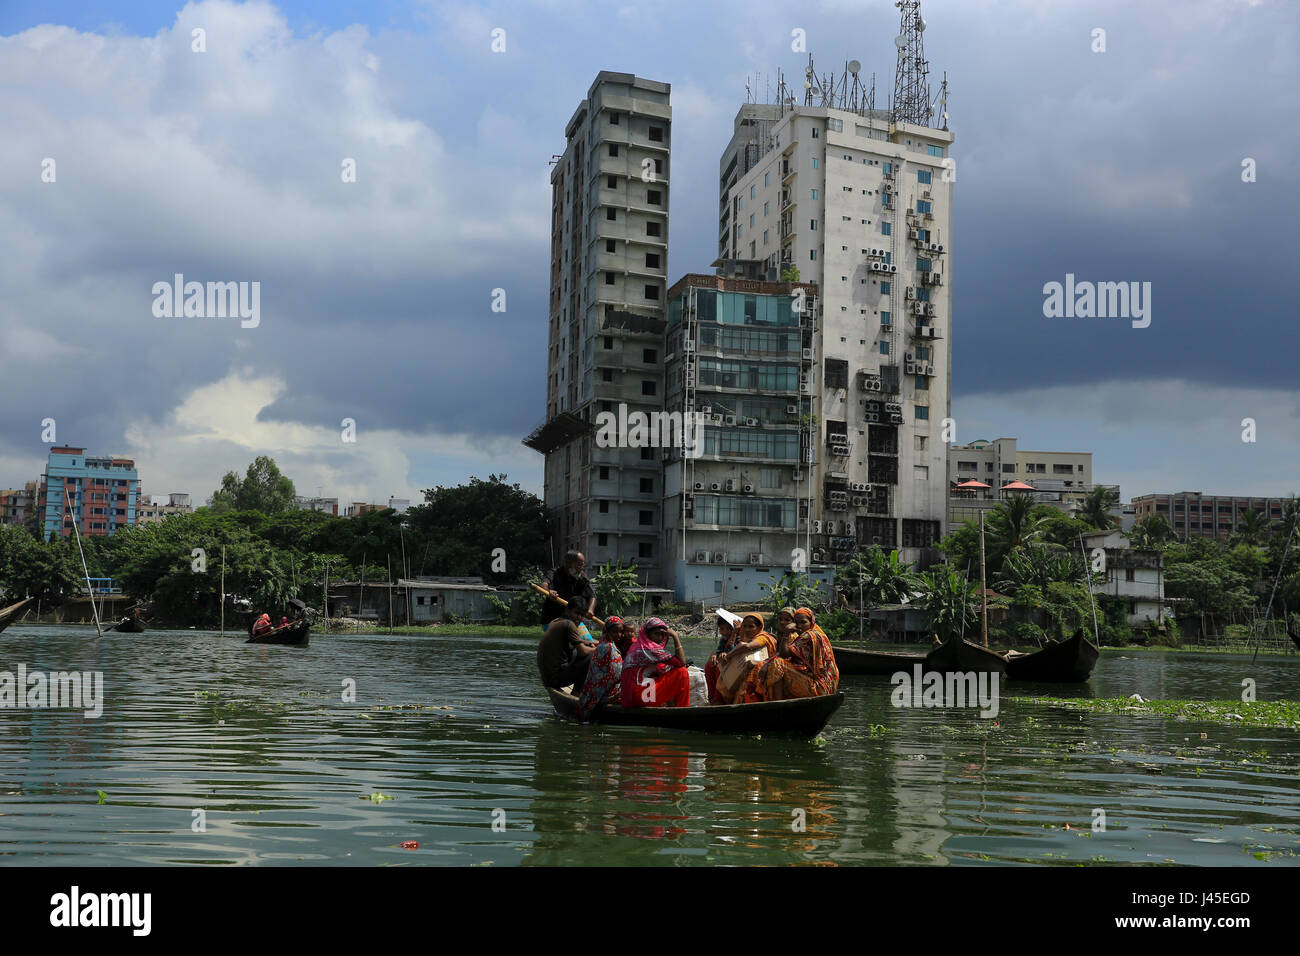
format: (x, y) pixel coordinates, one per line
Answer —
(972, 483)
(1017, 486)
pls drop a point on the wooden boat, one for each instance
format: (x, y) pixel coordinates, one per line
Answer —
(805, 716)
(960, 655)
(850, 660)
(10, 614)
(293, 634)
(1065, 662)
(131, 624)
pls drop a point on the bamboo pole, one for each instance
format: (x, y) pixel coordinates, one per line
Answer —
(85, 570)
(984, 589)
(223, 590)
(390, 594)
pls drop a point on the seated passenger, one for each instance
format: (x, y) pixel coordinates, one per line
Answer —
(651, 676)
(263, 625)
(727, 636)
(752, 637)
(805, 667)
(562, 655)
(606, 670)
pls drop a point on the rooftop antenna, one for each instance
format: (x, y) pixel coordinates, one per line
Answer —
(911, 75)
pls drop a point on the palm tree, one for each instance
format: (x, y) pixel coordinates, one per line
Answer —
(1039, 566)
(1096, 506)
(1151, 533)
(877, 577)
(1015, 523)
(1252, 526)
(949, 601)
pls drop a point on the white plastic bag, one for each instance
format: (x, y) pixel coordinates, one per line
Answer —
(699, 686)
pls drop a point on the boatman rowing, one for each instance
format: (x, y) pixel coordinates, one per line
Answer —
(568, 583)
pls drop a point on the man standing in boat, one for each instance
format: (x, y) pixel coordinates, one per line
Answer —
(568, 583)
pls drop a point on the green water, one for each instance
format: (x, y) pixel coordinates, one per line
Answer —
(482, 772)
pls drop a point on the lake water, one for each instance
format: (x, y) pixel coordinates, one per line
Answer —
(481, 771)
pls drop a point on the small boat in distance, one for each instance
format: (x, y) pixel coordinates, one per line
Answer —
(958, 655)
(131, 623)
(1065, 662)
(851, 660)
(10, 614)
(293, 634)
(802, 716)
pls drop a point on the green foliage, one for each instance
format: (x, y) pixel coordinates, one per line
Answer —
(840, 624)
(613, 585)
(48, 571)
(950, 602)
(876, 577)
(1112, 622)
(790, 274)
(1039, 566)
(1095, 509)
(458, 530)
(263, 489)
(793, 590)
(1151, 533)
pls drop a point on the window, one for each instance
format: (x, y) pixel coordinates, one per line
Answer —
(886, 318)
(611, 215)
(647, 486)
(740, 231)
(885, 287)
(647, 387)
(771, 477)
(656, 134)
(751, 220)
(812, 224)
(923, 176)
(815, 163)
(659, 165)
(1008, 469)
(922, 265)
(602, 539)
(613, 149)
(604, 472)
(647, 454)
(613, 119)
(922, 383)
(923, 205)
(922, 413)
(887, 167)
(923, 355)
(815, 134)
(884, 348)
(766, 207)
(609, 278)
(604, 507)
(653, 228)
(653, 197)
(767, 180)
(609, 245)
(649, 356)
(607, 375)
(835, 124)
(919, 442)
(611, 182)
(609, 341)
(752, 191)
(645, 517)
(645, 549)
(652, 292)
(934, 150)
(812, 255)
(814, 193)
(652, 260)
(764, 237)
(1130, 574)
(886, 228)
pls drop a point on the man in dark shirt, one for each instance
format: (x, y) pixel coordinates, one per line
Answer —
(568, 582)
(562, 655)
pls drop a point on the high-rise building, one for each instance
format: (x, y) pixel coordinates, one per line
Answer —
(860, 204)
(100, 492)
(609, 258)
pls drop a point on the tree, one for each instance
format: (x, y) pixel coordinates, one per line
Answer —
(613, 585)
(949, 602)
(792, 590)
(471, 529)
(790, 274)
(1252, 527)
(263, 489)
(1015, 523)
(1151, 533)
(1041, 567)
(877, 577)
(1095, 509)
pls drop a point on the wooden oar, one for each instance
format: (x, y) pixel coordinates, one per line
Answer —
(563, 603)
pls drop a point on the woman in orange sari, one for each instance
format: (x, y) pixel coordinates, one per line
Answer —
(752, 636)
(805, 668)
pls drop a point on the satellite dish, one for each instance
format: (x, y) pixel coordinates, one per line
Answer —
(854, 66)
(920, 25)
(807, 85)
(900, 41)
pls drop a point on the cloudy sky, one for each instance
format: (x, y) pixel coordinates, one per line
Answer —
(1123, 165)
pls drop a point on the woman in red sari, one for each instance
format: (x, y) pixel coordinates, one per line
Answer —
(805, 667)
(651, 676)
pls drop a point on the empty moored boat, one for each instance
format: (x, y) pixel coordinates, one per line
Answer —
(1066, 662)
(10, 614)
(958, 655)
(851, 660)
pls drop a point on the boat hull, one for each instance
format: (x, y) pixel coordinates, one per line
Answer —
(10, 614)
(296, 634)
(853, 661)
(961, 656)
(1066, 662)
(129, 626)
(805, 716)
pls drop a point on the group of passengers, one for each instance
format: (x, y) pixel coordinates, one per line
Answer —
(633, 667)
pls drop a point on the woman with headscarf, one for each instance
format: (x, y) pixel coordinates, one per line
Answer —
(728, 635)
(804, 668)
(753, 636)
(262, 625)
(606, 668)
(651, 676)
(784, 629)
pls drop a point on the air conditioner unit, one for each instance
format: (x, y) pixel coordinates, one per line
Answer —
(875, 539)
(873, 406)
(731, 484)
(913, 234)
(701, 557)
(715, 486)
(719, 557)
(688, 344)
(875, 267)
(893, 407)
(796, 475)
(816, 527)
(911, 211)
(699, 486)
(729, 419)
(873, 417)
(751, 421)
(896, 419)
(748, 489)
(717, 420)
(706, 409)
(925, 194)
(755, 557)
(893, 268)
(858, 501)
(937, 278)
(929, 310)
(940, 249)
(875, 385)
(911, 292)
(909, 368)
(808, 355)
(792, 409)
(819, 556)
(918, 308)
(805, 387)
(934, 247)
